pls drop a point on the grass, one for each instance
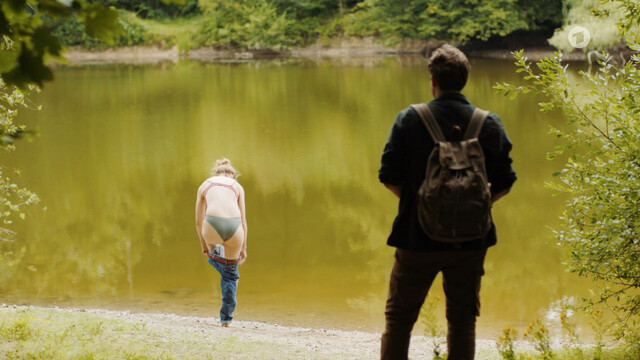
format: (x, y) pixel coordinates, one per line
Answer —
(40, 333)
(35, 333)
(537, 337)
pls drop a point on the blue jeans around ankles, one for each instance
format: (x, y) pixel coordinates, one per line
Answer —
(229, 276)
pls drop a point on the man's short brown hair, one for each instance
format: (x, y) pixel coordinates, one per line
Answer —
(449, 68)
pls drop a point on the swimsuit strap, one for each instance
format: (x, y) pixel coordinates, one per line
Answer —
(212, 184)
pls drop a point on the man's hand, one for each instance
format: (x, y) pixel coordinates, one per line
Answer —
(243, 256)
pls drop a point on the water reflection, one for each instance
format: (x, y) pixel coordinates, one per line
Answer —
(123, 149)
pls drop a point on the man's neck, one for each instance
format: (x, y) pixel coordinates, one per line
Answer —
(435, 91)
(438, 93)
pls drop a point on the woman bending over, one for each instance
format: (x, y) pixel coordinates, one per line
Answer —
(222, 227)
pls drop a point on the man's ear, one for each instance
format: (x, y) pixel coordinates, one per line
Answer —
(435, 90)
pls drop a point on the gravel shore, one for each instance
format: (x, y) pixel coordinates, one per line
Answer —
(295, 342)
(344, 50)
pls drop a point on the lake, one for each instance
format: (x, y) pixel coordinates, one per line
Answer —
(122, 150)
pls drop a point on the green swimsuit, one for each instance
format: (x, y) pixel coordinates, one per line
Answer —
(225, 227)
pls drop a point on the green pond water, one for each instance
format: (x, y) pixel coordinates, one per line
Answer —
(122, 150)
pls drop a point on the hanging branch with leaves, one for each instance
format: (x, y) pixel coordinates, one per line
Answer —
(601, 175)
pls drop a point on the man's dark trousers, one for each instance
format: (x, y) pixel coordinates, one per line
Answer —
(411, 277)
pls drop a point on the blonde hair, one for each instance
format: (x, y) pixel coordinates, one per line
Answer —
(223, 167)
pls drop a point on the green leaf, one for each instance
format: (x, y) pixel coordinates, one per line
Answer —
(8, 59)
(5, 25)
(30, 69)
(15, 6)
(101, 22)
(43, 42)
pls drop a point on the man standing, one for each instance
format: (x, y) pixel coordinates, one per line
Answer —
(419, 258)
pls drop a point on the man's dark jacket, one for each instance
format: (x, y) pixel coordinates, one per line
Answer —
(404, 161)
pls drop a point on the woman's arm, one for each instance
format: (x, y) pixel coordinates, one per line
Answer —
(243, 251)
(201, 208)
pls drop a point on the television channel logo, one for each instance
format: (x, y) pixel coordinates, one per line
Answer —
(579, 37)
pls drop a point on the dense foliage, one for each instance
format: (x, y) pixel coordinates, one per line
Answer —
(302, 21)
(277, 24)
(27, 43)
(72, 32)
(304, 9)
(155, 9)
(602, 172)
(455, 20)
(253, 24)
(274, 24)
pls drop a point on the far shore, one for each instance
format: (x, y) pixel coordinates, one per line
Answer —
(345, 49)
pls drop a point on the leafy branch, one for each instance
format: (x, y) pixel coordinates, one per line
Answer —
(28, 44)
(601, 174)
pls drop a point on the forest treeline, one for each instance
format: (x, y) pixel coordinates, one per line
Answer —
(281, 24)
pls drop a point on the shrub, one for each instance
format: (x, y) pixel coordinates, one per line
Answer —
(252, 24)
(71, 32)
(601, 223)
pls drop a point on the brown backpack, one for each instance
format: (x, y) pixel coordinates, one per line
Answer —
(454, 200)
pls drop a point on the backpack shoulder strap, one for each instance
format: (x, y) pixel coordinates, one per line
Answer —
(429, 122)
(475, 124)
